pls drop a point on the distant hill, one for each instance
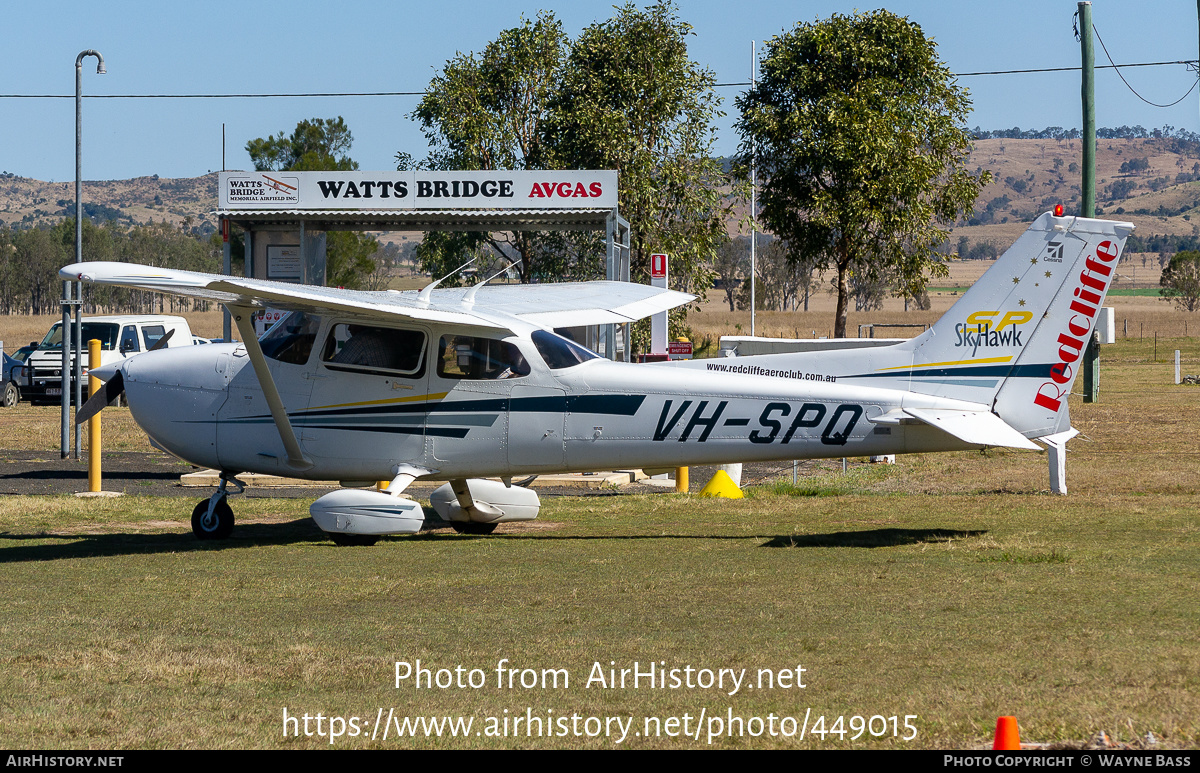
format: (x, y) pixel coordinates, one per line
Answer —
(1155, 182)
(25, 202)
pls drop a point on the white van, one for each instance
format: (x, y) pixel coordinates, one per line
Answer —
(120, 336)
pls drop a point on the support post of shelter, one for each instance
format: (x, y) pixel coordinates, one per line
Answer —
(616, 269)
(227, 270)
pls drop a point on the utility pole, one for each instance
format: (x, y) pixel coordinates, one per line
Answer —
(1087, 91)
(72, 340)
(754, 204)
(1091, 354)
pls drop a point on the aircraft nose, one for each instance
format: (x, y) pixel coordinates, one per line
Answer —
(189, 367)
(105, 372)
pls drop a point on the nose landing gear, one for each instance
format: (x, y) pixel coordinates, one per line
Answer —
(213, 517)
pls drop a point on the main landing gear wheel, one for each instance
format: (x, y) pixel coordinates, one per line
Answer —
(470, 527)
(344, 540)
(219, 525)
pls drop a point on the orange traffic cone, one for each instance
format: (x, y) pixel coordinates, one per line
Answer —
(1007, 735)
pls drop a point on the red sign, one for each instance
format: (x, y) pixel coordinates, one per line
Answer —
(658, 266)
(680, 350)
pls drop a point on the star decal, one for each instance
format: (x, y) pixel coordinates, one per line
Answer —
(1021, 302)
(1047, 274)
(1016, 280)
(1033, 261)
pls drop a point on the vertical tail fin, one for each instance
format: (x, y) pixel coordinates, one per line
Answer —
(1016, 337)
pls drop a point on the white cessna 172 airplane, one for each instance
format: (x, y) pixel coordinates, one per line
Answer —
(464, 384)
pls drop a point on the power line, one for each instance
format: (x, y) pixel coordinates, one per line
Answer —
(1131, 88)
(1187, 62)
(219, 96)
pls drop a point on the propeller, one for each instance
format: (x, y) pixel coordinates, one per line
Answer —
(112, 389)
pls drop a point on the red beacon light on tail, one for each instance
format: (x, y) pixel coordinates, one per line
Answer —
(1058, 210)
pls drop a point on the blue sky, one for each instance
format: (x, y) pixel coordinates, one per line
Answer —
(247, 46)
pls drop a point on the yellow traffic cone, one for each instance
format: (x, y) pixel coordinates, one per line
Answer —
(721, 485)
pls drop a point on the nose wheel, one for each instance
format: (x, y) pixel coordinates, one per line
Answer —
(212, 518)
(212, 521)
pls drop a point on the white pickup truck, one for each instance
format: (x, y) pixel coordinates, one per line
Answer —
(120, 337)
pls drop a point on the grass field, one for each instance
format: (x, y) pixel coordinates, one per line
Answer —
(950, 587)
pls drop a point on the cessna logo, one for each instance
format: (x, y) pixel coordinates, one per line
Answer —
(1089, 294)
(978, 332)
(1053, 252)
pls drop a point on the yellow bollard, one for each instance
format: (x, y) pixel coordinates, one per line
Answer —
(94, 385)
(681, 480)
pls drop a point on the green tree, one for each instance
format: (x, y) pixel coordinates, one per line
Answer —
(37, 256)
(321, 144)
(859, 135)
(485, 111)
(316, 145)
(631, 99)
(730, 267)
(1181, 280)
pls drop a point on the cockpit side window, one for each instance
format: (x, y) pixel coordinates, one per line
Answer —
(479, 358)
(391, 351)
(558, 352)
(291, 339)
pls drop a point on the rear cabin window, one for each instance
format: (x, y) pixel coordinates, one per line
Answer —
(479, 358)
(377, 349)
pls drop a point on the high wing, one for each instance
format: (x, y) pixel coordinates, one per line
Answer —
(549, 305)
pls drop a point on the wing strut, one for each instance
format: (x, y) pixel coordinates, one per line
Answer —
(296, 458)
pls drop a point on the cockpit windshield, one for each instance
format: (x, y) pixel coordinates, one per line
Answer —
(558, 352)
(291, 338)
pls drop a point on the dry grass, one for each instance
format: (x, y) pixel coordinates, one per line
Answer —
(949, 586)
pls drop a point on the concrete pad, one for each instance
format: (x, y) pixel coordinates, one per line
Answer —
(212, 479)
(588, 480)
(104, 494)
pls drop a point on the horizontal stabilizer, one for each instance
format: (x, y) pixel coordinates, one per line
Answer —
(975, 427)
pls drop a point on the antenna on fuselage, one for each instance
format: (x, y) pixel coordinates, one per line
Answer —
(427, 291)
(469, 297)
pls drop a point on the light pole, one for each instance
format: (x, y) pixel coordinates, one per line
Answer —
(77, 302)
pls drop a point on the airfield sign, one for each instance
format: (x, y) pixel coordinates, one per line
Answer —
(414, 190)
